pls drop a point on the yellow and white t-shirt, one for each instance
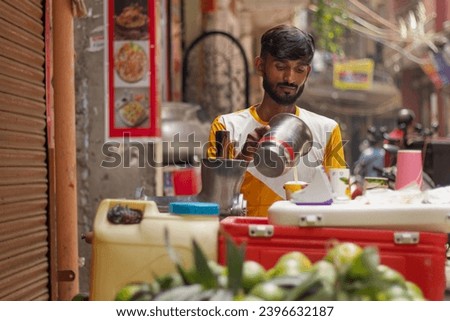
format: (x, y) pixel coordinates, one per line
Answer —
(261, 191)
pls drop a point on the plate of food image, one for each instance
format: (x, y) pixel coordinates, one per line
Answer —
(132, 113)
(131, 23)
(131, 16)
(131, 62)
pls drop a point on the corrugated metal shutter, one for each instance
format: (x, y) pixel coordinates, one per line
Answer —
(24, 247)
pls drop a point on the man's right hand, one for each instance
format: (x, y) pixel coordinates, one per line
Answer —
(251, 143)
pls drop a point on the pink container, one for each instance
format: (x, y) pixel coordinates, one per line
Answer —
(409, 168)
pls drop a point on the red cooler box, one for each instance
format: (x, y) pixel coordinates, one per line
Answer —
(419, 256)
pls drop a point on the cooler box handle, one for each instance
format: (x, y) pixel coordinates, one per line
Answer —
(257, 230)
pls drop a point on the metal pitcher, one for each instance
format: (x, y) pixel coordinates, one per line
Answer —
(279, 149)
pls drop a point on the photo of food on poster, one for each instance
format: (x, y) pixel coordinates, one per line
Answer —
(131, 64)
(131, 108)
(131, 40)
(130, 20)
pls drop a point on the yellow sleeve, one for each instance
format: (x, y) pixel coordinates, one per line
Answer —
(334, 152)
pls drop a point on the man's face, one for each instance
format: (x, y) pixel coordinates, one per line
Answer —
(284, 80)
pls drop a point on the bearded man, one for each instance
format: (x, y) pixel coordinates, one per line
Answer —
(284, 64)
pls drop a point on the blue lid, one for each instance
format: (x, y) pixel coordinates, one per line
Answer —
(194, 208)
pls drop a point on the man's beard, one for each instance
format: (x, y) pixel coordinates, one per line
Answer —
(284, 100)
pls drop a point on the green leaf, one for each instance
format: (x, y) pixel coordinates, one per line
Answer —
(235, 263)
(168, 281)
(203, 273)
(326, 27)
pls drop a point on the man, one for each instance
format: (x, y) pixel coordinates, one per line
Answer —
(399, 136)
(371, 160)
(405, 125)
(284, 65)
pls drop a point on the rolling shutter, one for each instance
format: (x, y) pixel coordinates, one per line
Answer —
(24, 247)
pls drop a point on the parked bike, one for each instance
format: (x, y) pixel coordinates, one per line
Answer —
(435, 152)
(421, 139)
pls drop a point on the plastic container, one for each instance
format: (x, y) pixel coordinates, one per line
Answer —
(125, 253)
(355, 214)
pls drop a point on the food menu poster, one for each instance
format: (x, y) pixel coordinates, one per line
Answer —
(131, 72)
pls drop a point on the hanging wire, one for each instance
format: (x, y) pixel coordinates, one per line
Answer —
(405, 36)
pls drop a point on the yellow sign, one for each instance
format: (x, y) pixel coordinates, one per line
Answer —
(353, 74)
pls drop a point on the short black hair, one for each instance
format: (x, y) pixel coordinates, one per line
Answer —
(288, 42)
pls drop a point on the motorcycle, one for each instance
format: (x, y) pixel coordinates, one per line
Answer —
(420, 139)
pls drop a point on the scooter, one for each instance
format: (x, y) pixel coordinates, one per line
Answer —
(418, 140)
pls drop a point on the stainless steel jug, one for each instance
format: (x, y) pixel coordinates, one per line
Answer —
(221, 184)
(279, 149)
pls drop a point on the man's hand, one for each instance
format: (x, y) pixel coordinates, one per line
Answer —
(251, 143)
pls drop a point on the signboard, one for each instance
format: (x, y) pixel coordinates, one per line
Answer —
(353, 74)
(132, 99)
